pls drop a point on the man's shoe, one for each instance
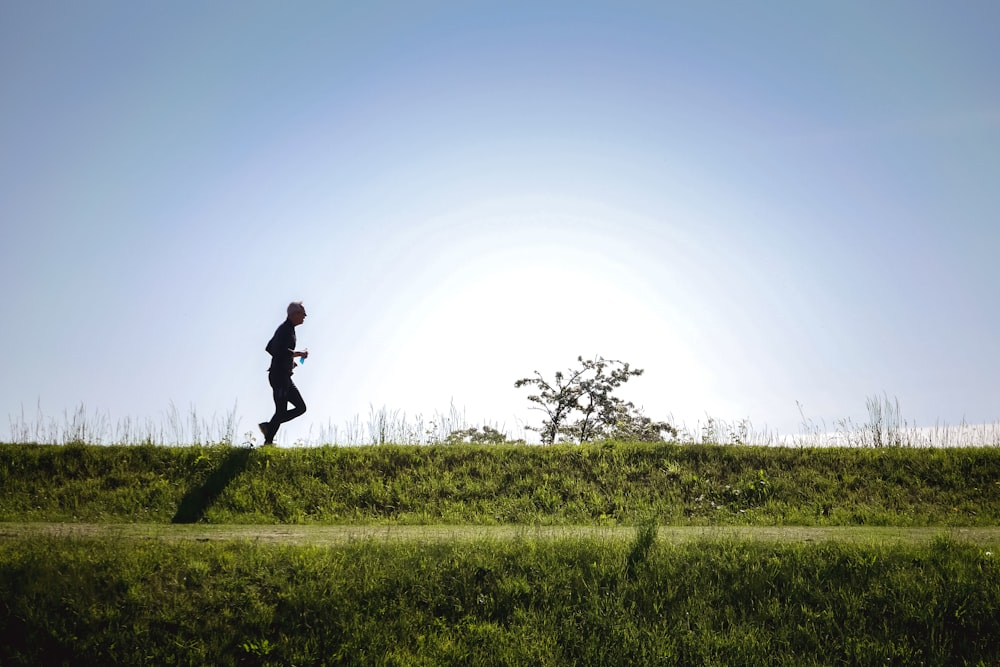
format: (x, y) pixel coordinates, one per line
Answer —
(265, 428)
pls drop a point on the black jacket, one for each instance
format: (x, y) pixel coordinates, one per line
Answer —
(280, 347)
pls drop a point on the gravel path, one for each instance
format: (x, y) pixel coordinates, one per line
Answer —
(319, 535)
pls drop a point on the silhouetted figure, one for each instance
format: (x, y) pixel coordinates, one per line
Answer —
(281, 347)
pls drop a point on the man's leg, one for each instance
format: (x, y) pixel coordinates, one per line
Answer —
(295, 398)
(279, 392)
(284, 393)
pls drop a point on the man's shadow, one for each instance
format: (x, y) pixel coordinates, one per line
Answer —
(197, 501)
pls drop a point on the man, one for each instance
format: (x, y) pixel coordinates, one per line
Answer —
(281, 347)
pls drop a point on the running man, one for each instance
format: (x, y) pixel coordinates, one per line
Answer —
(281, 347)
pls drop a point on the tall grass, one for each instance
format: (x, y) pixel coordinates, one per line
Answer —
(94, 427)
(885, 428)
(514, 602)
(393, 426)
(381, 426)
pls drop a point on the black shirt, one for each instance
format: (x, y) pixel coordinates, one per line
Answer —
(280, 347)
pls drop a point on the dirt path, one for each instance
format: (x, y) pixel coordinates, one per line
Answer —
(320, 535)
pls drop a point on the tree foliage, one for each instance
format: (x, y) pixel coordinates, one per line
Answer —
(579, 405)
(486, 435)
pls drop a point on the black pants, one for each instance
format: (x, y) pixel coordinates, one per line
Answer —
(285, 392)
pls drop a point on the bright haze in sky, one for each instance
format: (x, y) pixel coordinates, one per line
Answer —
(771, 207)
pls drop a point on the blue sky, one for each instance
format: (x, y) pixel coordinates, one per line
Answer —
(764, 205)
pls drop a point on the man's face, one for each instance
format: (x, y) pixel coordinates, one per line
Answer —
(298, 317)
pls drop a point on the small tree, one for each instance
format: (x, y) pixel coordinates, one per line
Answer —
(634, 426)
(587, 391)
(487, 435)
(556, 399)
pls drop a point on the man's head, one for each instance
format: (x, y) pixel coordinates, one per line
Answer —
(296, 312)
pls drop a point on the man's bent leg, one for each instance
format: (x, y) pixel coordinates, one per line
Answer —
(285, 393)
(298, 404)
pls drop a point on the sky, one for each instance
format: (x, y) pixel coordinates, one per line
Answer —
(776, 209)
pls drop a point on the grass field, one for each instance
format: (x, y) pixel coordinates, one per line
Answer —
(499, 555)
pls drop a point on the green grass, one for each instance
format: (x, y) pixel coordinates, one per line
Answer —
(499, 555)
(609, 484)
(510, 602)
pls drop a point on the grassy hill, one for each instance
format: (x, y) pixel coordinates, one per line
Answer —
(120, 596)
(608, 484)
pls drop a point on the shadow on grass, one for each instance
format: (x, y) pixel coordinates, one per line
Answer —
(197, 501)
